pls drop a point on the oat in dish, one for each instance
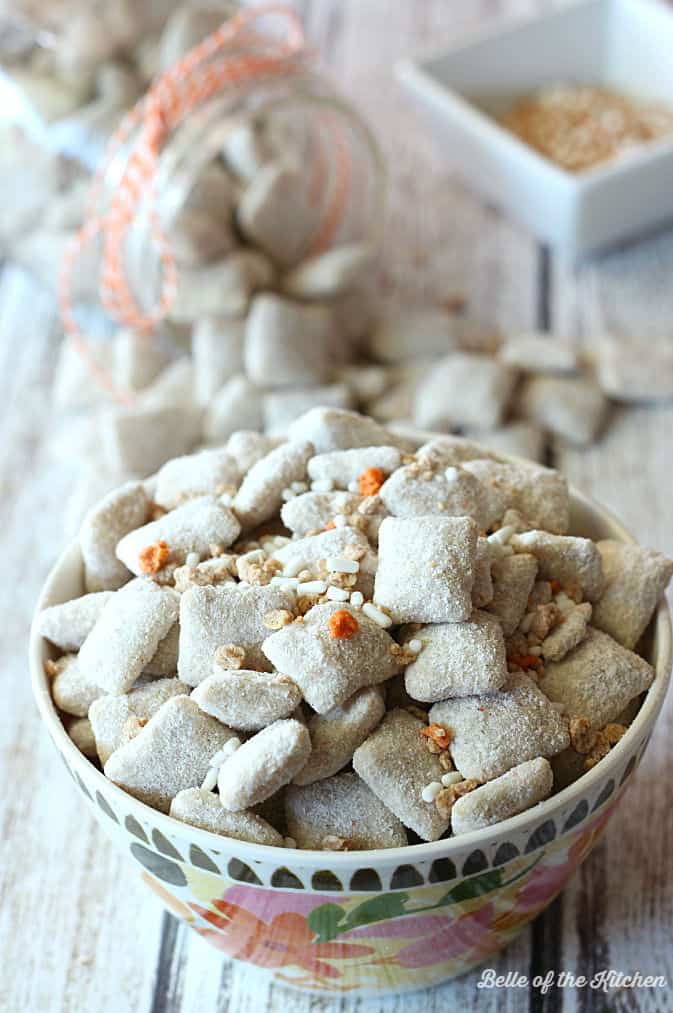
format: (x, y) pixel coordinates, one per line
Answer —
(579, 126)
(313, 636)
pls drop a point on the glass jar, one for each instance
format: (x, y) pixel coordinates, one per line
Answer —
(296, 119)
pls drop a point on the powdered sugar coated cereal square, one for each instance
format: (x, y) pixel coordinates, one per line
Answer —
(68, 625)
(597, 679)
(540, 494)
(127, 634)
(330, 660)
(205, 473)
(426, 568)
(214, 616)
(496, 731)
(172, 752)
(458, 659)
(192, 527)
(635, 579)
(341, 813)
(203, 809)
(121, 511)
(511, 793)
(337, 734)
(397, 765)
(261, 493)
(263, 764)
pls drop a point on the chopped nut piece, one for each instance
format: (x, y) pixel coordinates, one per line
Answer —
(582, 736)
(52, 668)
(230, 656)
(437, 734)
(445, 761)
(370, 481)
(605, 739)
(613, 733)
(544, 619)
(258, 571)
(402, 654)
(331, 842)
(277, 618)
(445, 799)
(343, 625)
(154, 557)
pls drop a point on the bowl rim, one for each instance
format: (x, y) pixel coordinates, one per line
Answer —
(427, 851)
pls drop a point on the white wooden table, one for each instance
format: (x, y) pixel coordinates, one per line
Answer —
(78, 930)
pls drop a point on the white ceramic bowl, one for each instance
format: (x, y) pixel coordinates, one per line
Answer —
(364, 922)
(625, 45)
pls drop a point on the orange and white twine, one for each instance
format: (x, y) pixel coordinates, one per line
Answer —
(231, 56)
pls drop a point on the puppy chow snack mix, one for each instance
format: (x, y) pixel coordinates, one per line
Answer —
(333, 641)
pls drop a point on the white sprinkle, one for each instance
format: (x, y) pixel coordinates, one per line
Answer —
(210, 780)
(254, 556)
(193, 559)
(502, 535)
(340, 521)
(288, 583)
(451, 474)
(337, 564)
(535, 651)
(229, 747)
(357, 599)
(216, 761)
(451, 777)
(312, 587)
(298, 487)
(431, 791)
(564, 603)
(287, 495)
(304, 575)
(525, 538)
(226, 499)
(271, 544)
(354, 486)
(337, 594)
(292, 568)
(379, 617)
(527, 622)
(289, 842)
(322, 485)
(415, 646)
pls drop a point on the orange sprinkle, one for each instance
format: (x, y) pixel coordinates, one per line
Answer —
(153, 557)
(524, 660)
(370, 481)
(330, 526)
(343, 625)
(555, 586)
(438, 734)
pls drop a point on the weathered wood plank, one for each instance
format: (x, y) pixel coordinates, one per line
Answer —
(619, 907)
(77, 928)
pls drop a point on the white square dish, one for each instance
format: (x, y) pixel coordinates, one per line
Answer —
(624, 45)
